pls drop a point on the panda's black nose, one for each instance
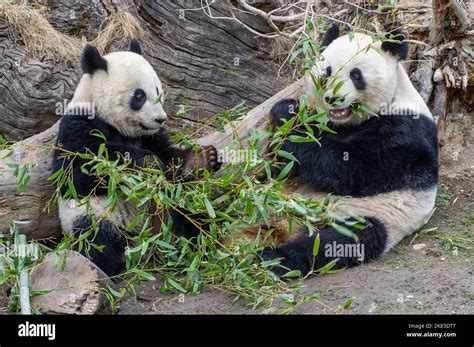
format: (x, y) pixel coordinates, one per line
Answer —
(159, 121)
(332, 100)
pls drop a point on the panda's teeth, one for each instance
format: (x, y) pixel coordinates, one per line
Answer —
(339, 113)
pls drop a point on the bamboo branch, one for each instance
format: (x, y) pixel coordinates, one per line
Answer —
(24, 277)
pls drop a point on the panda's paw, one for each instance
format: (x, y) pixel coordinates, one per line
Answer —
(205, 157)
(212, 161)
(269, 253)
(151, 161)
(290, 260)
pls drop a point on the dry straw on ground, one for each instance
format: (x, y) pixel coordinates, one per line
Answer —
(40, 38)
(121, 26)
(38, 35)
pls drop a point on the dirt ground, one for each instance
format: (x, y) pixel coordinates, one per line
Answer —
(426, 273)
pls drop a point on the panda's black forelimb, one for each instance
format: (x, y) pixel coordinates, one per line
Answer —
(79, 132)
(284, 109)
(183, 227)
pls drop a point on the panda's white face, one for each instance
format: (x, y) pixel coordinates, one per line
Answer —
(368, 75)
(129, 95)
(123, 88)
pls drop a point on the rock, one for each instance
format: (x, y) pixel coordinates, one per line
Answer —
(438, 75)
(419, 246)
(77, 285)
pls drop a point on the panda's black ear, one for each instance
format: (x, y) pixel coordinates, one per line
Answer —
(330, 35)
(92, 61)
(396, 46)
(135, 47)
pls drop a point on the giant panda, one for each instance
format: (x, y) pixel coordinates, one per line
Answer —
(382, 168)
(118, 95)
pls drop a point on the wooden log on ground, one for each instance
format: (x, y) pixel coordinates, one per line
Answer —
(30, 88)
(76, 288)
(28, 206)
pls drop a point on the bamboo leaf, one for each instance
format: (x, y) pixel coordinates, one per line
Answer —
(316, 245)
(345, 231)
(348, 303)
(209, 208)
(286, 170)
(287, 155)
(176, 285)
(293, 274)
(144, 274)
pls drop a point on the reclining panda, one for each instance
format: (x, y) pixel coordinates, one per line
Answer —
(382, 168)
(127, 99)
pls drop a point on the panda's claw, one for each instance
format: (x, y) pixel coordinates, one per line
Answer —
(206, 158)
(213, 161)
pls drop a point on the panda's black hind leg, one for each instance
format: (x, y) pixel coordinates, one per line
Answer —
(295, 257)
(111, 259)
(297, 254)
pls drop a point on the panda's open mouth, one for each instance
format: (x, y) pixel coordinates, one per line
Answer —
(339, 113)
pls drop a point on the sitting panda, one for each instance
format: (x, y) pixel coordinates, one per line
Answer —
(382, 168)
(125, 93)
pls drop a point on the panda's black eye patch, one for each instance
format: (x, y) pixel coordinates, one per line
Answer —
(138, 99)
(357, 78)
(355, 74)
(328, 71)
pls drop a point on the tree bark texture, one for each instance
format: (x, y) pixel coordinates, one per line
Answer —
(207, 65)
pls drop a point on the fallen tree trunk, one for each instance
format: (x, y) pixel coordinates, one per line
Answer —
(29, 205)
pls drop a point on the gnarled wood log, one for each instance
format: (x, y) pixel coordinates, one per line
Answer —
(30, 88)
(254, 120)
(207, 65)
